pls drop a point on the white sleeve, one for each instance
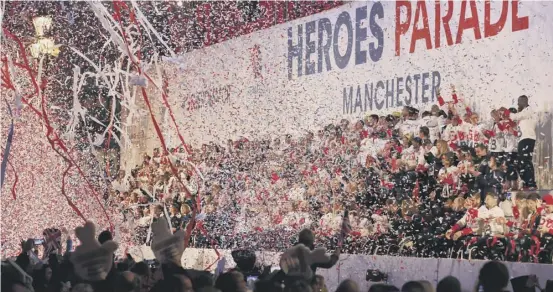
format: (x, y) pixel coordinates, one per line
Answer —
(432, 123)
(446, 134)
(434, 151)
(463, 221)
(525, 114)
(421, 159)
(454, 175)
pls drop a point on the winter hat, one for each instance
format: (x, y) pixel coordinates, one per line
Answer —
(548, 200)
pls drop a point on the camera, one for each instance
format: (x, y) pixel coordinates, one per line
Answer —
(153, 264)
(374, 275)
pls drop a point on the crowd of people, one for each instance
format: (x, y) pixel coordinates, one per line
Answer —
(92, 266)
(439, 183)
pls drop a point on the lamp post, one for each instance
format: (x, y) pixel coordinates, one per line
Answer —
(44, 45)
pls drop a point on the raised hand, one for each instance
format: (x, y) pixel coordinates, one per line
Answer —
(448, 234)
(27, 245)
(92, 261)
(167, 247)
(457, 235)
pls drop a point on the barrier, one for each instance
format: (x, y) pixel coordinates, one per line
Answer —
(399, 269)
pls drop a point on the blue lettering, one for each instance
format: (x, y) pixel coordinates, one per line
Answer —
(399, 90)
(343, 19)
(348, 100)
(378, 105)
(360, 35)
(425, 87)
(328, 38)
(408, 83)
(436, 78)
(295, 51)
(417, 77)
(368, 97)
(395, 92)
(358, 102)
(376, 51)
(310, 49)
(389, 93)
(323, 51)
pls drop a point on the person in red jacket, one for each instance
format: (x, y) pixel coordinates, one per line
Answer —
(528, 238)
(468, 224)
(545, 228)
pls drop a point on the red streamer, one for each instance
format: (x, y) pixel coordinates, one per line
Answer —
(117, 6)
(15, 181)
(50, 130)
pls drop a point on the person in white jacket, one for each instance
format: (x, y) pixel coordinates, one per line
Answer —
(491, 218)
(431, 124)
(526, 120)
(331, 222)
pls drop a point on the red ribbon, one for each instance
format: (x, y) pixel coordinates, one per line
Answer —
(416, 190)
(55, 140)
(212, 242)
(455, 98)
(15, 180)
(489, 133)
(441, 101)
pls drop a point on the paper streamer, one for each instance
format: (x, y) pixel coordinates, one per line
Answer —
(7, 150)
(51, 135)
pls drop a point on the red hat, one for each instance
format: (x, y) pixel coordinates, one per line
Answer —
(548, 199)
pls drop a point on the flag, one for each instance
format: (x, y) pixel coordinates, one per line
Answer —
(346, 228)
(220, 267)
(52, 240)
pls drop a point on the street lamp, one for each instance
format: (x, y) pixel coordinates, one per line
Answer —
(42, 24)
(44, 45)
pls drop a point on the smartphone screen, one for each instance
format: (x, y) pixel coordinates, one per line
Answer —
(250, 281)
(39, 241)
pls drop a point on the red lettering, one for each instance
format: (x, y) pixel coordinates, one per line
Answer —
(445, 21)
(437, 23)
(492, 29)
(402, 28)
(421, 33)
(468, 23)
(518, 23)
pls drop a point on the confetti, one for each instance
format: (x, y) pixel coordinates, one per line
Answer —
(250, 149)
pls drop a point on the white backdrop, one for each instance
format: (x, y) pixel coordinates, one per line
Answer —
(243, 85)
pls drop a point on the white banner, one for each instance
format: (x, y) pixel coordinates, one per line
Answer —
(361, 58)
